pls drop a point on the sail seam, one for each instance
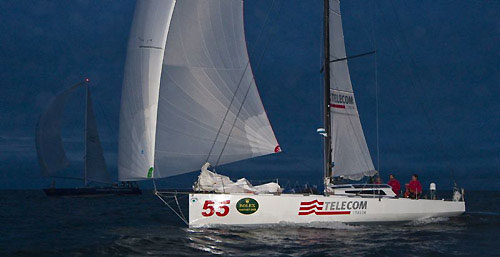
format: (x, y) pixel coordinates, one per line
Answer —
(151, 47)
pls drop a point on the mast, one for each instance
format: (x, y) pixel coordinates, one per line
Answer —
(86, 83)
(326, 103)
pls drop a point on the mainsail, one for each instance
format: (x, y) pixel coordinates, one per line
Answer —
(351, 157)
(202, 104)
(51, 155)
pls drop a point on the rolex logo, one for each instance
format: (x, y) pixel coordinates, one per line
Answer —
(247, 206)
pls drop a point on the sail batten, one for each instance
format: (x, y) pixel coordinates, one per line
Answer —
(351, 157)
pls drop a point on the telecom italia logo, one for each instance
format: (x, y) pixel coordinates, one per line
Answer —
(332, 208)
(342, 100)
(247, 206)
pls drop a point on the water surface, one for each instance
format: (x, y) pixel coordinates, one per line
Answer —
(35, 225)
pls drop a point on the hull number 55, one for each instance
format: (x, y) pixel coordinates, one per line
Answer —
(209, 210)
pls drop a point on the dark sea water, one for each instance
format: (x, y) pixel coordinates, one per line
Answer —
(32, 224)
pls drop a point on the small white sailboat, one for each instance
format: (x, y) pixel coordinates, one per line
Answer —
(52, 156)
(189, 99)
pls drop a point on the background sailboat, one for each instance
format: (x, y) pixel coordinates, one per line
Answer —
(52, 156)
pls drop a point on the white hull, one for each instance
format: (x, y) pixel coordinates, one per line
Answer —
(222, 209)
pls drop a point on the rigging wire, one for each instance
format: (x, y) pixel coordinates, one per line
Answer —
(375, 64)
(352, 56)
(372, 39)
(239, 84)
(248, 90)
(418, 85)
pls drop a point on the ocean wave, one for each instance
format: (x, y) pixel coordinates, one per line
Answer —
(328, 225)
(428, 221)
(334, 225)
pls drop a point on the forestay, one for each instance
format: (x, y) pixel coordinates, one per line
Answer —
(350, 153)
(206, 86)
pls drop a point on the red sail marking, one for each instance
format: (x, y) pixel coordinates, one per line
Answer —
(311, 202)
(306, 208)
(337, 106)
(277, 149)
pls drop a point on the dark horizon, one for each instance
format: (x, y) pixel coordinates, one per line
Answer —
(438, 69)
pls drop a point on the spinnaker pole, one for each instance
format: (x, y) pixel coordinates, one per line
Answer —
(327, 118)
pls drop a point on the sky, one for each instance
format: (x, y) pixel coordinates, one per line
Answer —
(437, 67)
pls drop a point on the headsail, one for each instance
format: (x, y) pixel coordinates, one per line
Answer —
(141, 85)
(205, 73)
(94, 157)
(49, 147)
(351, 157)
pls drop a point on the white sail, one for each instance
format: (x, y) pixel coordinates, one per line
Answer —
(141, 84)
(49, 147)
(94, 157)
(351, 157)
(205, 73)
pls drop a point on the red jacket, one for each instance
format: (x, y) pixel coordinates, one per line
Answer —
(396, 186)
(415, 186)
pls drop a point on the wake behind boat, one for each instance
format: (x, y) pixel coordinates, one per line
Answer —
(52, 156)
(189, 99)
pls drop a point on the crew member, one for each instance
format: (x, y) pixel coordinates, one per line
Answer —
(378, 181)
(395, 185)
(414, 188)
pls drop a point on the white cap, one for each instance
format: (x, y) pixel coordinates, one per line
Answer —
(432, 186)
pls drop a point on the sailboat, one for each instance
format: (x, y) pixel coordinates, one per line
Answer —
(189, 100)
(52, 156)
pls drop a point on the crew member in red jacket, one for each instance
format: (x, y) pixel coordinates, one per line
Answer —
(414, 188)
(395, 185)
